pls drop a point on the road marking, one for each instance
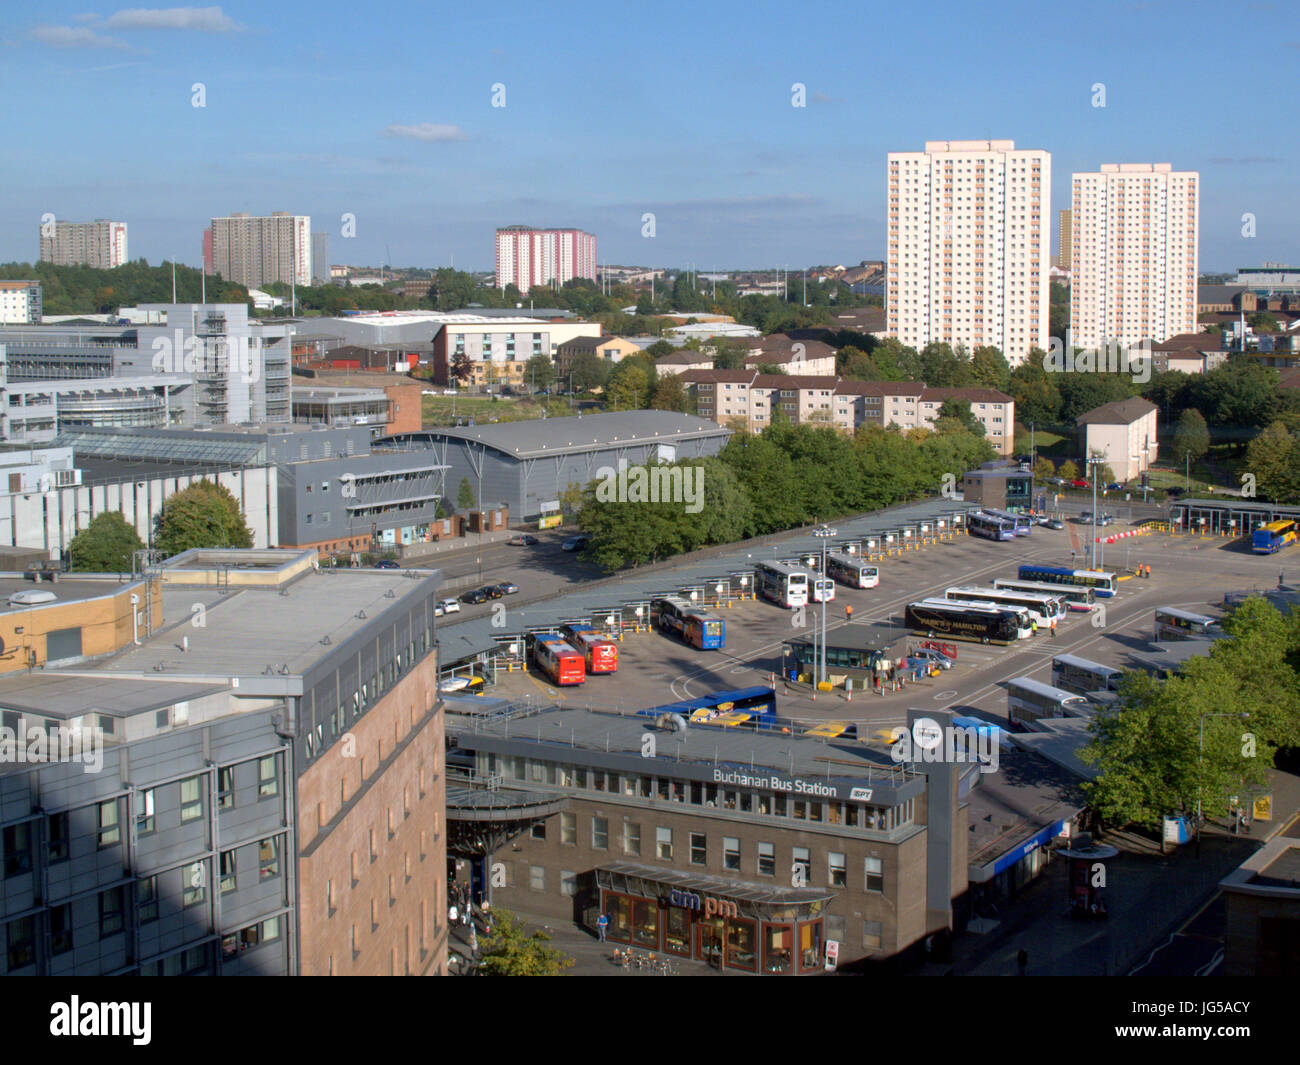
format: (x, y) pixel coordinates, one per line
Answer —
(946, 694)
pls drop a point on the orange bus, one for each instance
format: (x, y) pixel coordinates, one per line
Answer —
(558, 660)
(599, 652)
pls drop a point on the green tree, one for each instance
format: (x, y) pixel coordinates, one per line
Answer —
(508, 949)
(668, 394)
(588, 371)
(659, 349)
(203, 515)
(1068, 470)
(106, 545)
(955, 415)
(1263, 322)
(728, 353)
(1043, 468)
(1038, 399)
(990, 369)
(628, 387)
(1272, 457)
(539, 372)
(465, 498)
(1191, 434)
(462, 369)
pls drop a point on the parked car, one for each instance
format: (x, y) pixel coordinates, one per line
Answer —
(492, 591)
(1085, 517)
(1114, 486)
(1055, 523)
(1105, 519)
(576, 543)
(450, 392)
(1056, 480)
(446, 606)
(933, 657)
(1079, 482)
(386, 563)
(475, 596)
(527, 540)
(506, 588)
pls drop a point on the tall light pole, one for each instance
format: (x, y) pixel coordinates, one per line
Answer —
(1200, 761)
(1094, 461)
(823, 534)
(1187, 482)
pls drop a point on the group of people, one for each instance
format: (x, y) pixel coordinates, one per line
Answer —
(461, 910)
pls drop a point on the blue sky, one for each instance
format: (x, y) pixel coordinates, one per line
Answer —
(681, 109)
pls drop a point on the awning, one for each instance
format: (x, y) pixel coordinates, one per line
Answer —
(653, 881)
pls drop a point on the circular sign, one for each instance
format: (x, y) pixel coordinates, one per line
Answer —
(926, 733)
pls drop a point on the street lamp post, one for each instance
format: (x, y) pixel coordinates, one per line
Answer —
(1187, 475)
(823, 534)
(1200, 762)
(1094, 462)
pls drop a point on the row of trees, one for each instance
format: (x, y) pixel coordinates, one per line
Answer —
(784, 477)
(1244, 696)
(84, 290)
(203, 515)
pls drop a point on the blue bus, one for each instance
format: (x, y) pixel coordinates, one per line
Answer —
(1102, 584)
(1273, 537)
(990, 527)
(699, 629)
(1022, 523)
(739, 707)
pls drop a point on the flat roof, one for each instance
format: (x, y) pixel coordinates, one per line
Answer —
(1273, 871)
(50, 694)
(65, 590)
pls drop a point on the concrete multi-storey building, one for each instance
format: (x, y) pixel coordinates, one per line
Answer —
(240, 800)
(20, 302)
(257, 250)
(101, 243)
(1135, 228)
(498, 349)
(320, 258)
(528, 257)
(968, 246)
(236, 370)
(1064, 238)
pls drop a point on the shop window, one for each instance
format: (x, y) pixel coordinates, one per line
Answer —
(741, 953)
(778, 948)
(810, 946)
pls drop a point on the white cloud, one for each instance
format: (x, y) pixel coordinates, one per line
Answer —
(78, 37)
(201, 19)
(426, 131)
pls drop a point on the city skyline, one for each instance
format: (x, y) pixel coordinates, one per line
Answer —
(735, 174)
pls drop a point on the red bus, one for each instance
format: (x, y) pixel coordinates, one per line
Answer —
(558, 660)
(599, 651)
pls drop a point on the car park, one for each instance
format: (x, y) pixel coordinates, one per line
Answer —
(526, 540)
(476, 595)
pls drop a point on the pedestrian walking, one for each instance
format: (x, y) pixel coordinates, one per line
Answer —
(453, 914)
(1053, 628)
(467, 917)
(602, 923)
(1022, 962)
(848, 611)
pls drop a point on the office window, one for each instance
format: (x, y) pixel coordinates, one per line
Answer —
(875, 872)
(766, 860)
(699, 848)
(191, 799)
(538, 830)
(731, 853)
(536, 878)
(837, 872)
(871, 934)
(632, 839)
(268, 858)
(802, 865)
(144, 818)
(664, 843)
(17, 850)
(267, 785)
(110, 832)
(57, 838)
(146, 899)
(61, 929)
(227, 871)
(568, 883)
(569, 828)
(193, 883)
(600, 833)
(226, 787)
(21, 936)
(110, 912)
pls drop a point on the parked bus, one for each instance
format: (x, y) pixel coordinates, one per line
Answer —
(989, 527)
(702, 630)
(783, 585)
(1024, 620)
(1075, 597)
(851, 570)
(599, 652)
(1023, 524)
(1274, 536)
(1175, 624)
(557, 659)
(823, 590)
(1082, 676)
(1103, 584)
(1028, 700)
(982, 624)
(1044, 609)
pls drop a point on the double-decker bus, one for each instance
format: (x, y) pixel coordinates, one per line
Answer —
(1175, 624)
(557, 659)
(1024, 620)
(851, 570)
(1082, 676)
(957, 622)
(823, 590)
(989, 527)
(1075, 597)
(700, 629)
(1102, 583)
(1274, 536)
(599, 652)
(1043, 608)
(1023, 524)
(783, 585)
(1028, 700)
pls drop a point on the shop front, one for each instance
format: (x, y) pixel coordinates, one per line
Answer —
(730, 924)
